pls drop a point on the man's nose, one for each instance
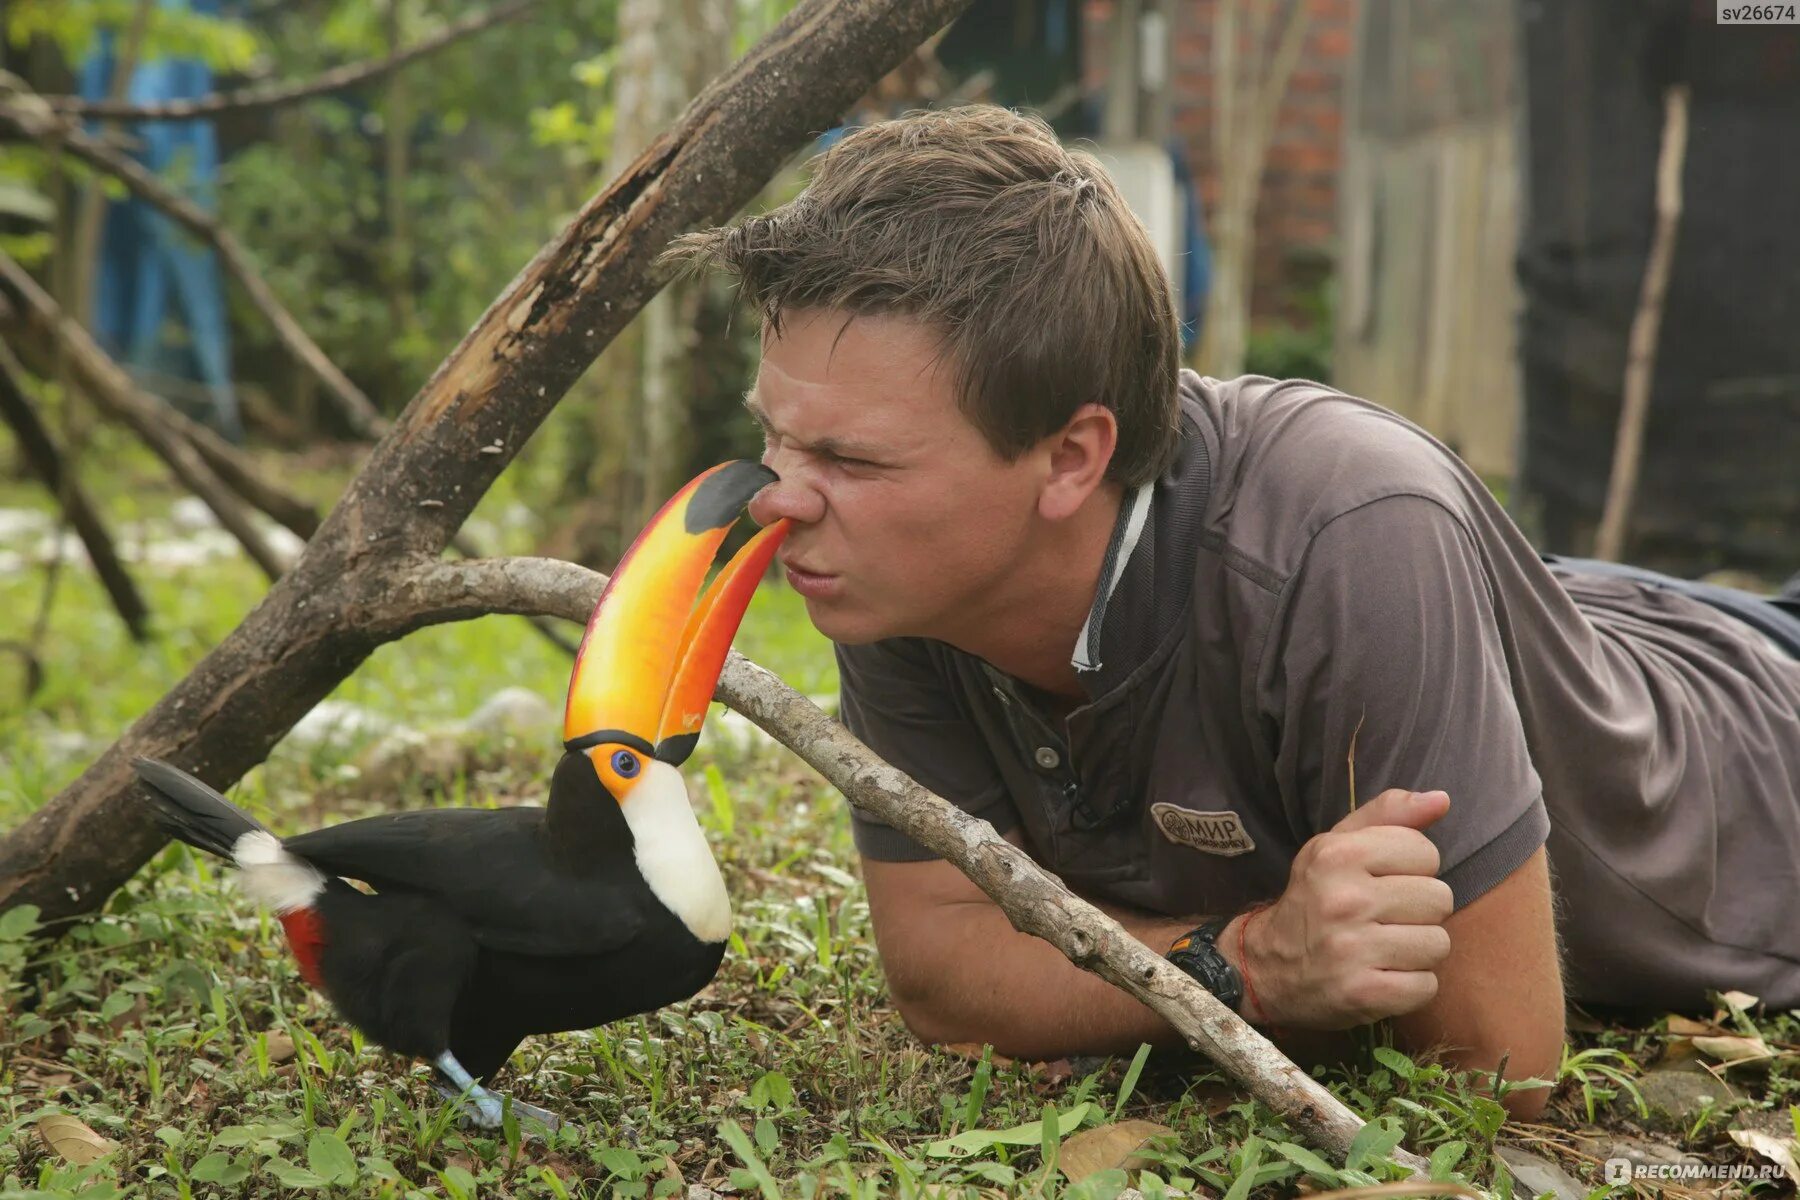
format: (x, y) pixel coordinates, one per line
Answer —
(787, 497)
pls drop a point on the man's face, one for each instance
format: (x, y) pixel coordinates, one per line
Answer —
(905, 520)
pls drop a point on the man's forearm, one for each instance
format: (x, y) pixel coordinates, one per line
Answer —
(990, 984)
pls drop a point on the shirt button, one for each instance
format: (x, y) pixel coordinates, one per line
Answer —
(1048, 758)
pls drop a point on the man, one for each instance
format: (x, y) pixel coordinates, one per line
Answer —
(1144, 621)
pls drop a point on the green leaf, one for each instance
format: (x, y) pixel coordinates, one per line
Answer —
(1251, 1155)
(17, 923)
(1129, 1083)
(621, 1162)
(289, 1175)
(1395, 1061)
(116, 1003)
(771, 1090)
(1307, 1161)
(739, 1141)
(1032, 1133)
(1445, 1158)
(459, 1181)
(330, 1158)
(1373, 1142)
(210, 1168)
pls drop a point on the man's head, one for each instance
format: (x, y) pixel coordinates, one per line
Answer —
(967, 335)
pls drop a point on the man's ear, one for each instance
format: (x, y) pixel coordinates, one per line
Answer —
(1077, 457)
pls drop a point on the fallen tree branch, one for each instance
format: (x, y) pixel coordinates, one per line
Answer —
(1035, 901)
(158, 425)
(29, 115)
(83, 515)
(271, 95)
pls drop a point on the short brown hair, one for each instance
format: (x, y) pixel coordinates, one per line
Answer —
(1023, 255)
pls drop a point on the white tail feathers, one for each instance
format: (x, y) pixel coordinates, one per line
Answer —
(271, 876)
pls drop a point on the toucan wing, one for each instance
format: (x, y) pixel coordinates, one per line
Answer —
(490, 867)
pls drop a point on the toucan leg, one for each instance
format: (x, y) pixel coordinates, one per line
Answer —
(480, 1107)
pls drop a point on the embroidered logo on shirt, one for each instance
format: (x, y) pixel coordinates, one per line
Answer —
(1214, 832)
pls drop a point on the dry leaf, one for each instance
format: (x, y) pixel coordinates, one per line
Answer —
(281, 1047)
(1780, 1151)
(1689, 1027)
(1107, 1146)
(73, 1141)
(1740, 1001)
(1732, 1050)
(973, 1050)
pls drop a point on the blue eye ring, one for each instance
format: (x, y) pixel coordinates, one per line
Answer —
(625, 764)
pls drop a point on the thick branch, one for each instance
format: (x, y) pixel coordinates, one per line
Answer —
(155, 422)
(83, 515)
(1033, 899)
(271, 95)
(30, 116)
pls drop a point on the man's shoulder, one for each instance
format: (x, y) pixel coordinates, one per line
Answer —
(1289, 457)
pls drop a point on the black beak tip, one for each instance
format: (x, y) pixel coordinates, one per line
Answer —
(675, 750)
(723, 494)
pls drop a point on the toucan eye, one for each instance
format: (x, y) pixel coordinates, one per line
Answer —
(625, 763)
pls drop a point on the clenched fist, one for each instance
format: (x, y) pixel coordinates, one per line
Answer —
(1359, 932)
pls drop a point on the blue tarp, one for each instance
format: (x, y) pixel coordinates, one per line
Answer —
(159, 302)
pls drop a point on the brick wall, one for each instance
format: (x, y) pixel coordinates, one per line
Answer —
(1296, 220)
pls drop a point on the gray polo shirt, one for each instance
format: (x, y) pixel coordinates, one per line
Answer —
(1312, 563)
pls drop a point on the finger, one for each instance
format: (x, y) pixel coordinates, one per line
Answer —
(1408, 947)
(1412, 900)
(1385, 994)
(1397, 806)
(1385, 850)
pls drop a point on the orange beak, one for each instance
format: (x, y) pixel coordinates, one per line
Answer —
(646, 670)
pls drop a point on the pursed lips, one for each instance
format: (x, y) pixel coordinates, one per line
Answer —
(804, 570)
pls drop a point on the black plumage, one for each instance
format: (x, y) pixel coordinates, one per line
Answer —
(486, 925)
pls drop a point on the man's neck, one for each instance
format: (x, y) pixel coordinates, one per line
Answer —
(1030, 628)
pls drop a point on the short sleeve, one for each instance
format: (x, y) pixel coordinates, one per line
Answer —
(898, 698)
(1389, 634)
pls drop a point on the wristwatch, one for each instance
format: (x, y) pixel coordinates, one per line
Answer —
(1197, 953)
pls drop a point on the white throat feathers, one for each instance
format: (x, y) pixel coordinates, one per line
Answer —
(673, 856)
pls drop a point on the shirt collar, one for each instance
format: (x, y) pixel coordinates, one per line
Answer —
(1147, 578)
(1134, 510)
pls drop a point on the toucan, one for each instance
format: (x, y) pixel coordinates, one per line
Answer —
(485, 926)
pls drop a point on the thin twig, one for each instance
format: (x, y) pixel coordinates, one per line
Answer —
(78, 508)
(273, 94)
(1646, 324)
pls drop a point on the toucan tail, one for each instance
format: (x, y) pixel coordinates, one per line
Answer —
(189, 810)
(193, 812)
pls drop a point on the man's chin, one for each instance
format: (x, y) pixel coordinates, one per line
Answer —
(844, 623)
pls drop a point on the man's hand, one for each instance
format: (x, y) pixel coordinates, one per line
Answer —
(1359, 932)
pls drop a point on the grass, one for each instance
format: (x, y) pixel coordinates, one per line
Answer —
(175, 1025)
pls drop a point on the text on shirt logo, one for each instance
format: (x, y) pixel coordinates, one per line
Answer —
(1214, 832)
